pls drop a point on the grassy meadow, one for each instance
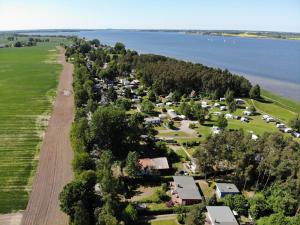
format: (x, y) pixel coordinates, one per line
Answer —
(28, 81)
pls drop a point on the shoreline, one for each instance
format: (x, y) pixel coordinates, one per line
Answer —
(277, 87)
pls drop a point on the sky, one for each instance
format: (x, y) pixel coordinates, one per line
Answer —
(269, 15)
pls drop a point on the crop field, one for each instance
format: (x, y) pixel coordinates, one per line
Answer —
(28, 80)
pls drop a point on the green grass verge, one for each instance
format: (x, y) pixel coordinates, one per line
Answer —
(28, 80)
(165, 222)
(281, 101)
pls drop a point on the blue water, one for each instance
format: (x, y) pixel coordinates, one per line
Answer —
(273, 63)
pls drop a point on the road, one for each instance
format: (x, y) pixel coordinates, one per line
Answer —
(54, 169)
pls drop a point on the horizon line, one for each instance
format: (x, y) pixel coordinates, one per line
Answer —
(141, 29)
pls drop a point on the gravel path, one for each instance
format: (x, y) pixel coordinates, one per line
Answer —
(54, 169)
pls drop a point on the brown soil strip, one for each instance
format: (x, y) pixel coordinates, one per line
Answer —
(54, 169)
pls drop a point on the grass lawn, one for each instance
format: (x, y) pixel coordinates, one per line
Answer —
(28, 80)
(165, 222)
(278, 112)
(281, 101)
(207, 191)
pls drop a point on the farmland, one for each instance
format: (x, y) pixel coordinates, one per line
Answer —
(28, 79)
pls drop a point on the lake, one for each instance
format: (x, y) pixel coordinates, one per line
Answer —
(273, 63)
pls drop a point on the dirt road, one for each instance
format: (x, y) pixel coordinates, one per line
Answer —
(54, 169)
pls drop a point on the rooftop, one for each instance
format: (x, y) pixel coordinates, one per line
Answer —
(186, 187)
(227, 187)
(221, 215)
(155, 163)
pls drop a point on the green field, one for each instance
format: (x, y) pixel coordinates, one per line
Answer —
(28, 80)
(165, 222)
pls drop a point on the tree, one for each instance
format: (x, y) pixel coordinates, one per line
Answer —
(120, 48)
(185, 109)
(78, 198)
(124, 103)
(196, 216)
(82, 161)
(176, 96)
(151, 96)
(255, 92)
(237, 203)
(112, 94)
(200, 113)
(81, 215)
(295, 123)
(133, 167)
(107, 219)
(18, 44)
(281, 200)
(229, 98)
(147, 106)
(222, 122)
(181, 214)
(130, 214)
(109, 130)
(275, 219)
(258, 206)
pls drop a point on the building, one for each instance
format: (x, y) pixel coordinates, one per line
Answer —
(220, 215)
(239, 101)
(185, 190)
(223, 108)
(163, 116)
(223, 189)
(248, 113)
(154, 165)
(152, 120)
(173, 114)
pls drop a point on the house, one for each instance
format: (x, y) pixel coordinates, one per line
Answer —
(160, 105)
(223, 108)
(223, 189)
(270, 119)
(264, 117)
(254, 137)
(173, 114)
(248, 113)
(152, 120)
(183, 117)
(193, 94)
(239, 101)
(169, 103)
(245, 119)
(154, 165)
(296, 134)
(287, 130)
(185, 190)
(220, 215)
(217, 104)
(280, 125)
(222, 99)
(229, 116)
(162, 116)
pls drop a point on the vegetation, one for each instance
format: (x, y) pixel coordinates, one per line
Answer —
(24, 116)
(107, 138)
(170, 75)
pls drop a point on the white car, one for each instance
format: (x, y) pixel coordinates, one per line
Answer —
(270, 119)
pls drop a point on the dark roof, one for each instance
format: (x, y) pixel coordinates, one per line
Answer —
(221, 215)
(186, 188)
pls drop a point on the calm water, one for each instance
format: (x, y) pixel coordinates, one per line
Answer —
(274, 64)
